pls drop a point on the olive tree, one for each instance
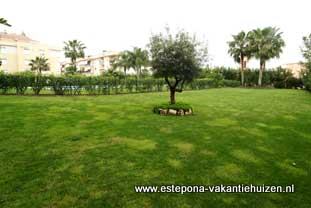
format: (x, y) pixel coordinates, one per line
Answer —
(177, 58)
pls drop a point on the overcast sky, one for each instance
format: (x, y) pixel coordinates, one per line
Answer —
(122, 24)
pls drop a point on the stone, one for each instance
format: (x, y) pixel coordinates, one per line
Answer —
(188, 112)
(162, 111)
(181, 112)
(172, 112)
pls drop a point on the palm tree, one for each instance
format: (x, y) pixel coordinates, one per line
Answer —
(123, 61)
(240, 51)
(39, 64)
(74, 49)
(266, 44)
(138, 58)
(4, 22)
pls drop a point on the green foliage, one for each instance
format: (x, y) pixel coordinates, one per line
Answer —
(199, 84)
(180, 56)
(178, 59)
(38, 82)
(20, 81)
(240, 50)
(4, 83)
(138, 59)
(123, 61)
(104, 85)
(279, 77)
(114, 73)
(39, 64)
(216, 76)
(58, 84)
(92, 85)
(306, 49)
(68, 85)
(239, 47)
(74, 84)
(307, 81)
(71, 69)
(231, 83)
(74, 49)
(4, 22)
(266, 44)
(306, 52)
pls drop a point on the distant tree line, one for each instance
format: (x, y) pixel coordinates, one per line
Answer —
(180, 59)
(277, 78)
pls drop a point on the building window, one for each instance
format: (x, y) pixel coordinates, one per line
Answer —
(26, 64)
(55, 53)
(3, 65)
(3, 62)
(27, 51)
(7, 49)
(41, 52)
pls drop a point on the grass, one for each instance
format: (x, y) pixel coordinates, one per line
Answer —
(91, 151)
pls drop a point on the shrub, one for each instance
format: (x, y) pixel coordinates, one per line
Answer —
(38, 82)
(20, 81)
(70, 69)
(74, 84)
(58, 84)
(4, 83)
(92, 85)
(217, 77)
(307, 81)
(130, 84)
(231, 83)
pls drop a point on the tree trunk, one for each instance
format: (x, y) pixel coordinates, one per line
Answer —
(125, 73)
(242, 70)
(262, 68)
(172, 95)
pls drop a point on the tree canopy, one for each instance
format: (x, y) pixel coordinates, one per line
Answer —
(39, 64)
(306, 49)
(74, 49)
(4, 22)
(265, 44)
(123, 61)
(240, 50)
(177, 58)
(138, 59)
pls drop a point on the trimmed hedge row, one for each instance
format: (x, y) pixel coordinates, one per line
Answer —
(22, 83)
(278, 78)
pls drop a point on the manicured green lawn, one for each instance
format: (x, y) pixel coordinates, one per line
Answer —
(91, 151)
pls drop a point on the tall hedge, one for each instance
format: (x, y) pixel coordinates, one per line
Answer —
(279, 77)
(22, 83)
